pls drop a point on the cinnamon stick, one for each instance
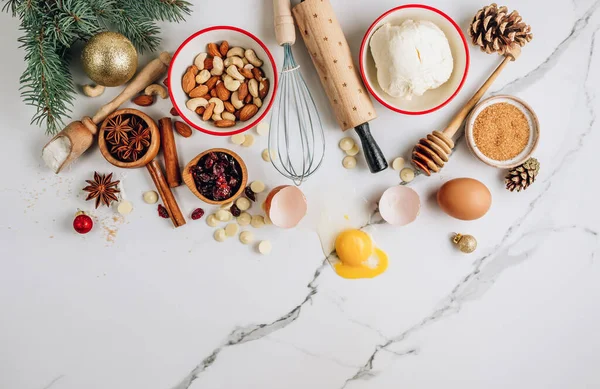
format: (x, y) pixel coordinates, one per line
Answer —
(165, 193)
(173, 171)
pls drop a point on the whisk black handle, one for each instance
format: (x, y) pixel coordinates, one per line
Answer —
(373, 154)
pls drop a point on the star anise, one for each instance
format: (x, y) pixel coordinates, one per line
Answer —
(140, 138)
(117, 129)
(102, 188)
(128, 153)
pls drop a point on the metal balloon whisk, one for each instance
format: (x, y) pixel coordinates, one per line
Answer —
(296, 138)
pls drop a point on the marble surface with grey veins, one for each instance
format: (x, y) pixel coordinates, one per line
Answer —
(137, 304)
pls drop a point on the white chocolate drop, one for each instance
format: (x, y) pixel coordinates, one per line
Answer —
(246, 237)
(398, 164)
(150, 197)
(263, 128)
(249, 141)
(407, 174)
(349, 162)
(257, 186)
(243, 204)
(231, 229)
(346, 143)
(238, 139)
(265, 247)
(244, 219)
(220, 235)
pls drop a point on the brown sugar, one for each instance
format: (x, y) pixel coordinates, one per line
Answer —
(501, 131)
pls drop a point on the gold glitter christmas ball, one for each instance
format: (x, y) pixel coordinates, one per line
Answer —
(109, 59)
(465, 243)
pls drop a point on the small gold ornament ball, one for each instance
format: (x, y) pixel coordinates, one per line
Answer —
(465, 243)
(109, 59)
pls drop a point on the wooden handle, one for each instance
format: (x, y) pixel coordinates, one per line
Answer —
(150, 73)
(332, 58)
(165, 193)
(285, 32)
(460, 117)
(167, 137)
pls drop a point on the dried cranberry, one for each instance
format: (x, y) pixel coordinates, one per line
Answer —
(250, 194)
(209, 163)
(221, 181)
(222, 193)
(233, 181)
(162, 211)
(213, 156)
(218, 169)
(197, 214)
(235, 211)
(204, 177)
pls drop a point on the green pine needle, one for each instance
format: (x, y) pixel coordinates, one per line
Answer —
(51, 27)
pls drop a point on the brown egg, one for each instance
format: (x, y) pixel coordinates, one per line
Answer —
(464, 198)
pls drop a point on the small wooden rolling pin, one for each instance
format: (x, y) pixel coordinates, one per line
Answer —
(332, 58)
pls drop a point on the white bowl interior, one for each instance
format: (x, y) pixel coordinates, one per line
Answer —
(533, 132)
(197, 45)
(434, 97)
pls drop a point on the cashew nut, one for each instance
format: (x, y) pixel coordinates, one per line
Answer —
(216, 117)
(235, 100)
(231, 84)
(252, 58)
(236, 51)
(228, 116)
(235, 73)
(156, 89)
(245, 61)
(192, 104)
(199, 60)
(235, 60)
(253, 87)
(93, 90)
(218, 66)
(249, 66)
(258, 102)
(202, 77)
(219, 106)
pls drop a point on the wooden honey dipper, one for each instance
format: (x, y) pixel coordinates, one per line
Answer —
(494, 30)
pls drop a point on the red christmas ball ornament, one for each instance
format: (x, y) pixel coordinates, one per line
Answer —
(82, 223)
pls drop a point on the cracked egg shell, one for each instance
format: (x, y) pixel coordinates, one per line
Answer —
(399, 205)
(286, 206)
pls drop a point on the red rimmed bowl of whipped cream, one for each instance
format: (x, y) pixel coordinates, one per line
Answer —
(414, 59)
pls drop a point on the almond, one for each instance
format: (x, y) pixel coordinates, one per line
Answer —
(243, 91)
(213, 50)
(213, 92)
(248, 99)
(212, 82)
(144, 100)
(208, 112)
(207, 96)
(174, 112)
(200, 110)
(263, 89)
(248, 112)
(229, 107)
(194, 69)
(246, 73)
(183, 129)
(224, 123)
(222, 92)
(224, 48)
(198, 91)
(189, 81)
(258, 73)
(208, 64)
(237, 114)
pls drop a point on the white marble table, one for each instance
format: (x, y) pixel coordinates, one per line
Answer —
(137, 304)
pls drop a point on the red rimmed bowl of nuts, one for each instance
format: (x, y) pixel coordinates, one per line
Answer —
(222, 80)
(216, 176)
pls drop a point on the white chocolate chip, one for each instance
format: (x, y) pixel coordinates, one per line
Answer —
(257, 186)
(238, 139)
(243, 204)
(220, 235)
(265, 247)
(244, 219)
(398, 164)
(263, 128)
(231, 229)
(257, 221)
(246, 237)
(249, 141)
(346, 143)
(407, 174)
(212, 221)
(265, 155)
(150, 197)
(353, 151)
(349, 162)
(125, 207)
(223, 215)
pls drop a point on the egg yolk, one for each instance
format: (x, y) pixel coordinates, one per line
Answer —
(358, 258)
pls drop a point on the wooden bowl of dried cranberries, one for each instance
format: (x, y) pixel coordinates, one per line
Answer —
(216, 176)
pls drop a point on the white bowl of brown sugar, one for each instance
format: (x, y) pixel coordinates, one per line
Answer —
(502, 131)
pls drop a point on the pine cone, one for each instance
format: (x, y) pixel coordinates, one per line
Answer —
(493, 29)
(523, 175)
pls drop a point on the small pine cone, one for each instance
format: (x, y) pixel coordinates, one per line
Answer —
(523, 175)
(493, 29)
